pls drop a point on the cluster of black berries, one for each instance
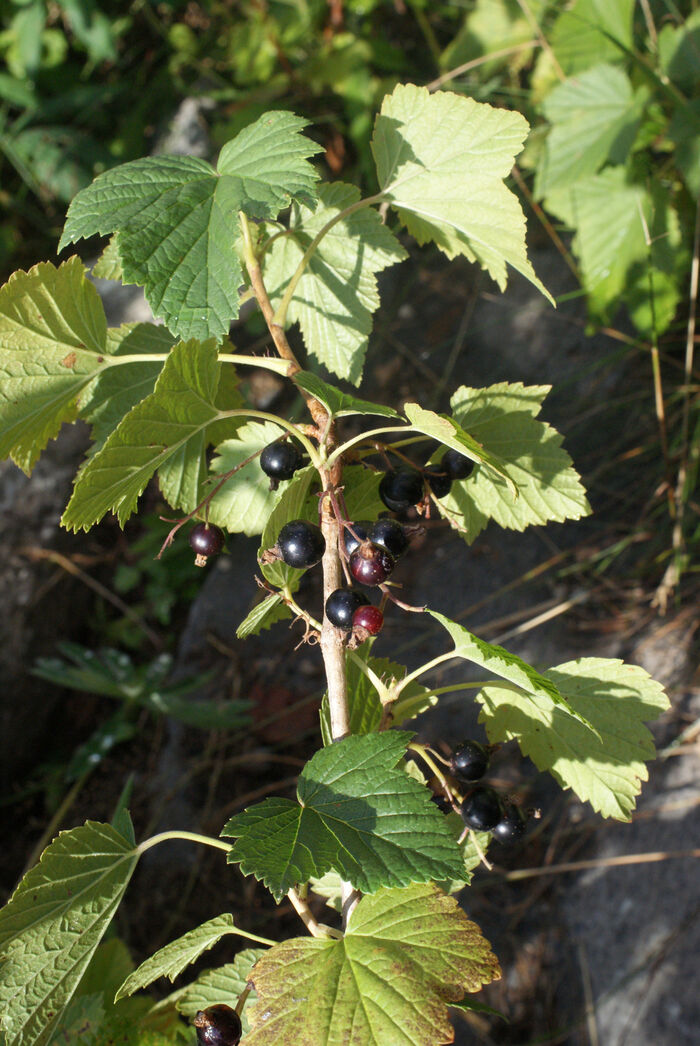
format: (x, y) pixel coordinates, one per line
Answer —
(483, 809)
(218, 1025)
(403, 487)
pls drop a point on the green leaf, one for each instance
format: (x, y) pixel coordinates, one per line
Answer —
(81, 1022)
(451, 434)
(296, 502)
(679, 52)
(223, 985)
(441, 162)
(406, 955)
(171, 960)
(52, 342)
(358, 812)
(683, 131)
(361, 492)
(506, 665)
(201, 714)
(595, 116)
(270, 610)
(173, 420)
(338, 403)
(581, 35)
(51, 926)
(337, 294)
(108, 266)
(503, 418)
(605, 769)
(177, 218)
(245, 501)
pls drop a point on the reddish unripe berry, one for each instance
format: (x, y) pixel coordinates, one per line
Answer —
(370, 618)
(370, 564)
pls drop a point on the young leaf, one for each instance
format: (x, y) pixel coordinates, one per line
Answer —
(593, 114)
(441, 161)
(358, 812)
(171, 960)
(177, 218)
(506, 665)
(52, 343)
(335, 298)
(173, 420)
(406, 955)
(245, 501)
(338, 403)
(223, 985)
(263, 615)
(51, 926)
(605, 768)
(503, 418)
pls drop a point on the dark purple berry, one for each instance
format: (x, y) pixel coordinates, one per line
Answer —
(280, 460)
(470, 761)
(400, 488)
(370, 564)
(342, 604)
(437, 479)
(206, 540)
(218, 1025)
(301, 544)
(456, 465)
(390, 535)
(370, 618)
(482, 809)
(511, 827)
(362, 531)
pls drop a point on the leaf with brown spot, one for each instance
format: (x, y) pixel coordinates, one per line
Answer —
(407, 955)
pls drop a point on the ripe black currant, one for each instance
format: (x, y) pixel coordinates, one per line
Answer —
(218, 1025)
(437, 479)
(390, 535)
(206, 540)
(369, 618)
(342, 604)
(370, 564)
(482, 809)
(301, 544)
(470, 761)
(280, 460)
(362, 531)
(400, 488)
(511, 827)
(456, 465)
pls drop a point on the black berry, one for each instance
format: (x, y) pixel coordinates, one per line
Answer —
(400, 488)
(218, 1026)
(370, 564)
(437, 479)
(280, 460)
(456, 465)
(482, 809)
(470, 761)
(342, 604)
(511, 827)
(390, 535)
(362, 531)
(206, 540)
(301, 544)
(370, 618)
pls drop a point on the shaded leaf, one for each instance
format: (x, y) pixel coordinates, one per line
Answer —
(263, 615)
(338, 403)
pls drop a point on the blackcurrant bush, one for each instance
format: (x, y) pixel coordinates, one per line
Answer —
(437, 479)
(301, 544)
(218, 1025)
(400, 488)
(342, 604)
(482, 809)
(370, 618)
(206, 540)
(456, 465)
(280, 460)
(390, 535)
(362, 531)
(511, 827)
(470, 761)
(370, 564)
